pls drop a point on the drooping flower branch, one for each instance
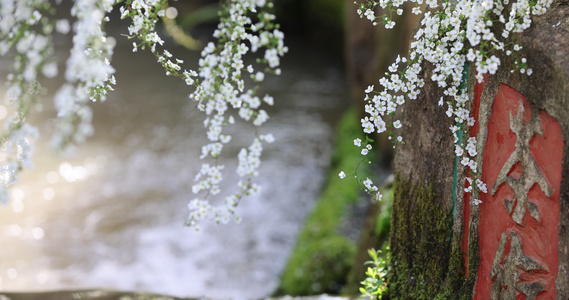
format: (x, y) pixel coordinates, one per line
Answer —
(220, 88)
(88, 72)
(220, 84)
(25, 38)
(452, 34)
(26, 33)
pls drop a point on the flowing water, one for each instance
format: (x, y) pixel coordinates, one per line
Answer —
(112, 215)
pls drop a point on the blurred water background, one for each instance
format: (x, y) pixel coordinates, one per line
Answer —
(112, 215)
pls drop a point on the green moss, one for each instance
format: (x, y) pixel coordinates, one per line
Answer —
(322, 257)
(383, 223)
(473, 262)
(426, 264)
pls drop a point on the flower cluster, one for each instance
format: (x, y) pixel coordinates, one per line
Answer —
(88, 72)
(17, 150)
(24, 37)
(220, 89)
(366, 147)
(480, 186)
(26, 34)
(452, 36)
(246, 26)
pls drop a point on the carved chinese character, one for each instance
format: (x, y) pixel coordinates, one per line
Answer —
(506, 279)
(522, 159)
(530, 174)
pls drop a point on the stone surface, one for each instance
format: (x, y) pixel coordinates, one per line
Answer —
(522, 165)
(422, 208)
(521, 228)
(516, 243)
(505, 272)
(424, 156)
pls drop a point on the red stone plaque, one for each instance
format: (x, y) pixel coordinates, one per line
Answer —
(519, 216)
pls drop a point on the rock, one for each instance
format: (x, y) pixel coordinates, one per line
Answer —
(522, 224)
(516, 242)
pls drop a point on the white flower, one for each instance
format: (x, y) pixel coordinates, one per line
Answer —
(473, 165)
(458, 150)
(397, 124)
(378, 196)
(269, 100)
(62, 26)
(358, 142)
(367, 125)
(50, 70)
(365, 151)
(262, 117)
(342, 175)
(368, 184)
(481, 186)
(369, 14)
(268, 138)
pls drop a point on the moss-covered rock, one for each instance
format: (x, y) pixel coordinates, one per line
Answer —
(419, 242)
(427, 262)
(322, 256)
(375, 234)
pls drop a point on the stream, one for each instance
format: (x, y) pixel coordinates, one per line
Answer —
(112, 215)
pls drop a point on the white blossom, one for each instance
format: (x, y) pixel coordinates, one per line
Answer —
(457, 33)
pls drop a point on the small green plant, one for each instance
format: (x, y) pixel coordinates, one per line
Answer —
(375, 285)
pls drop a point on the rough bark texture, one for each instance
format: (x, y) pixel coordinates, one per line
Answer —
(423, 264)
